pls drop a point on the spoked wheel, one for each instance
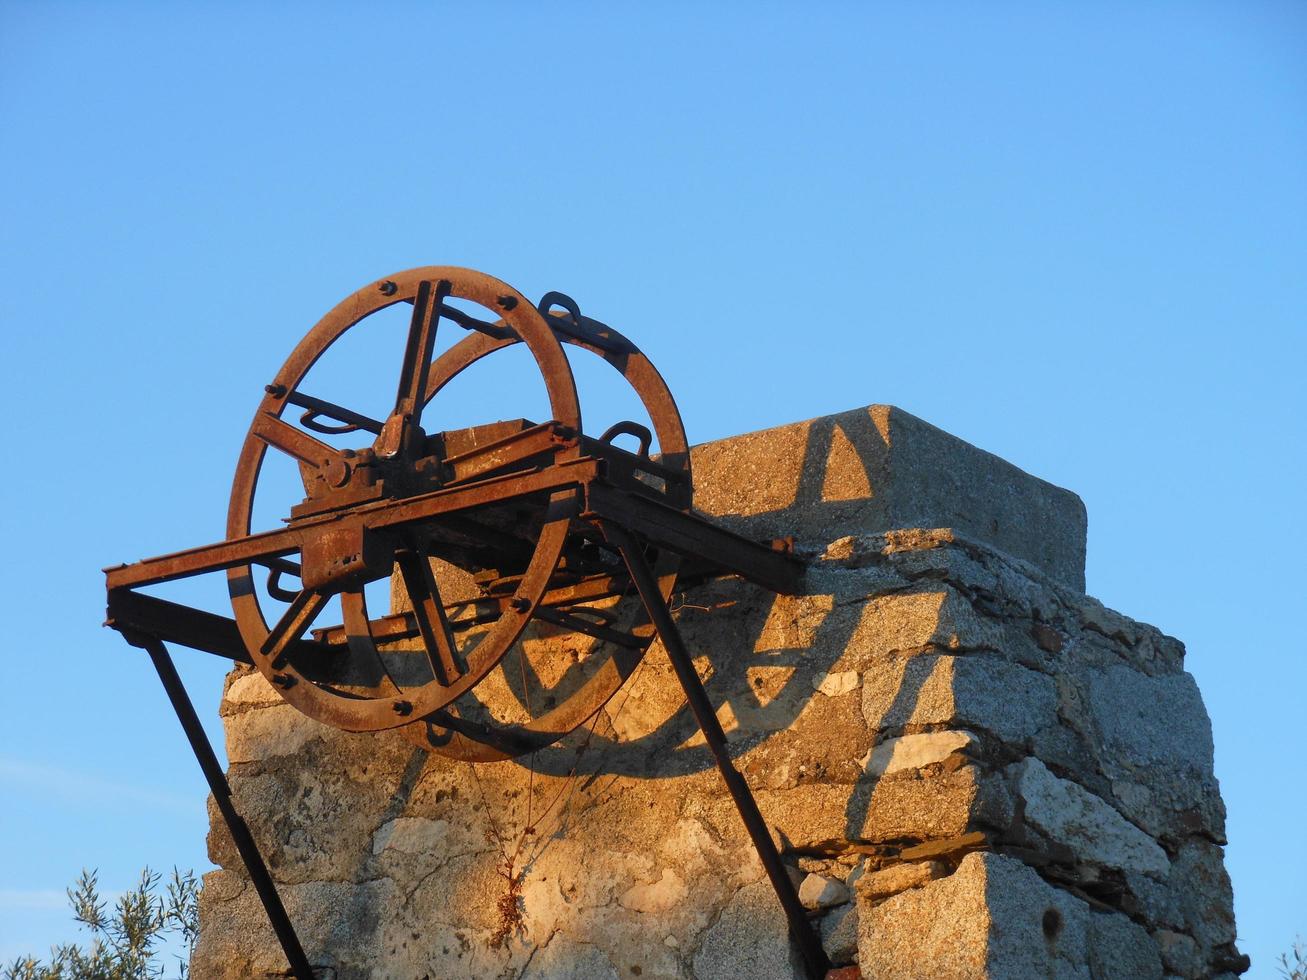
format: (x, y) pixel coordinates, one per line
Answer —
(339, 556)
(532, 558)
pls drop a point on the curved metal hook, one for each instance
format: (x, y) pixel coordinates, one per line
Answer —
(554, 298)
(629, 428)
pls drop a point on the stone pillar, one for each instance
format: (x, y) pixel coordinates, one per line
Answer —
(974, 770)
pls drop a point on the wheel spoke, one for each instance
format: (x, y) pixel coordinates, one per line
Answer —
(419, 349)
(294, 442)
(429, 611)
(294, 621)
(358, 634)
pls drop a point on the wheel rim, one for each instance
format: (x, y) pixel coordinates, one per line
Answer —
(384, 705)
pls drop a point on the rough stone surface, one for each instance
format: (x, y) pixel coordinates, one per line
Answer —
(1071, 815)
(839, 934)
(819, 892)
(875, 468)
(897, 878)
(915, 751)
(1179, 953)
(982, 693)
(749, 941)
(942, 724)
(995, 917)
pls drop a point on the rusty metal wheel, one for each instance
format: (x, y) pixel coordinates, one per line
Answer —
(602, 658)
(360, 689)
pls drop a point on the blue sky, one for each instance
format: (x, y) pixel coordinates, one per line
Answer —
(1073, 235)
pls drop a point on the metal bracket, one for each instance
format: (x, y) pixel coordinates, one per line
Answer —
(240, 831)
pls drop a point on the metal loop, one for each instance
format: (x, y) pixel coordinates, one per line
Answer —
(310, 421)
(629, 428)
(277, 567)
(554, 298)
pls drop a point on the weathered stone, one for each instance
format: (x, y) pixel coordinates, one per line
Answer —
(834, 684)
(939, 619)
(1160, 760)
(1049, 639)
(819, 892)
(1179, 953)
(248, 689)
(897, 878)
(1120, 949)
(995, 917)
(750, 940)
(938, 931)
(911, 804)
(839, 934)
(411, 835)
(1071, 815)
(562, 958)
(268, 733)
(338, 924)
(656, 896)
(915, 751)
(983, 693)
(878, 468)
(1202, 889)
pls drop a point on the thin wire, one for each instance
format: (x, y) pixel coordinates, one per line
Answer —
(503, 848)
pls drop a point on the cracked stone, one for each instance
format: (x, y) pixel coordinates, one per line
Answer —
(750, 940)
(656, 896)
(1091, 827)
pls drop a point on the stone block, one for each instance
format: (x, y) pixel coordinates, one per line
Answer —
(936, 931)
(338, 923)
(877, 469)
(1180, 954)
(1155, 743)
(974, 692)
(1071, 815)
(996, 918)
(1120, 949)
(927, 805)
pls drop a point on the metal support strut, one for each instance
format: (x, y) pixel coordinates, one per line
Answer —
(802, 933)
(240, 833)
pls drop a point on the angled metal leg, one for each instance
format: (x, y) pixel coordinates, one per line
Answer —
(240, 833)
(801, 931)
